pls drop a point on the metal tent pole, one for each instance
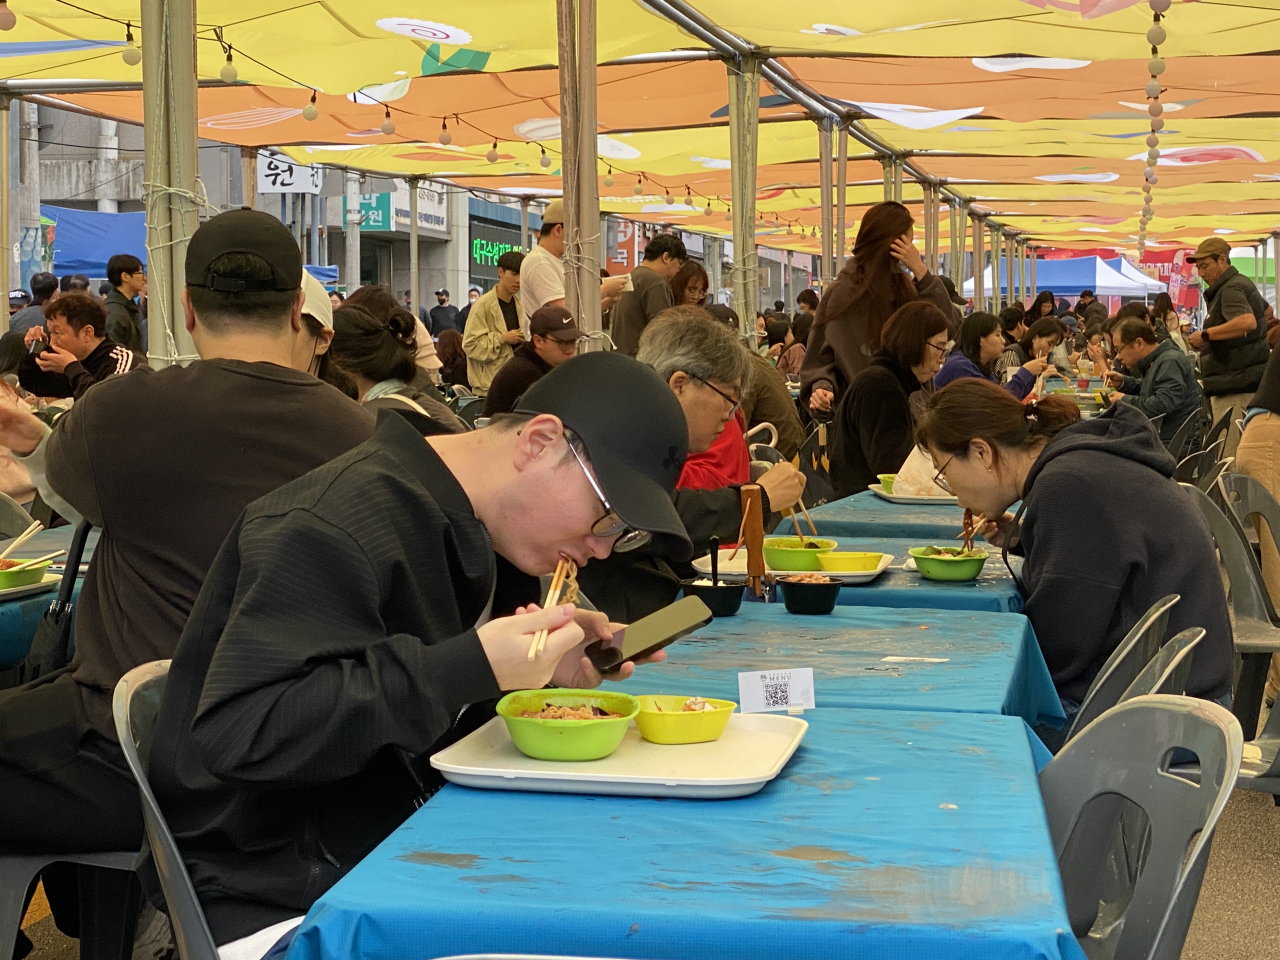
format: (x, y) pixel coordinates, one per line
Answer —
(888, 164)
(415, 295)
(173, 211)
(316, 203)
(1275, 270)
(825, 200)
(897, 179)
(842, 189)
(979, 265)
(351, 238)
(524, 224)
(1031, 265)
(744, 118)
(576, 24)
(6, 244)
(1015, 247)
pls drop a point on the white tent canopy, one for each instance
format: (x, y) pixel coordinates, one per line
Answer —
(1127, 269)
(1066, 278)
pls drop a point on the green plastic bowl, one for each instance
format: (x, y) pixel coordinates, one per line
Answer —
(786, 553)
(567, 739)
(886, 482)
(23, 578)
(948, 568)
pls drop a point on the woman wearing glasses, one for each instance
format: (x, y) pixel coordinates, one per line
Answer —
(873, 421)
(1105, 531)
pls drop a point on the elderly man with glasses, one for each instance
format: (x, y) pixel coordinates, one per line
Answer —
(363, 613)
(707, 368)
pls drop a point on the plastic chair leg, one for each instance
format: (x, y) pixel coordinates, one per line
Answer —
(16, 874)
(109, 902)
(1247, 703)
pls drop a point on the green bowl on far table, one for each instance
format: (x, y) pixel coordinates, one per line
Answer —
(944, 563)
(790, 553)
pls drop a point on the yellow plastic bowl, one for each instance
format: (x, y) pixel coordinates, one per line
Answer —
(849, 562)
(672, 724)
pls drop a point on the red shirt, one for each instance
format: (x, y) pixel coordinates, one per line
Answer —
(726, 462)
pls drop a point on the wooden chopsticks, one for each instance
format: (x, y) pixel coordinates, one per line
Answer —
(566, 570)
(31, 563)
(22, 538)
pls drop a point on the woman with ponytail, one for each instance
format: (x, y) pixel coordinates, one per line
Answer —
(378, 356)
(884, 273)
(1104, 529)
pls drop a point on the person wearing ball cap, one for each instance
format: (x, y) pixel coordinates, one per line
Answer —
(356, 614)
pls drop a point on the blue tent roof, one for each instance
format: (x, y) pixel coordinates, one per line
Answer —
(323, 274)
(85, 240)
(1067, 278)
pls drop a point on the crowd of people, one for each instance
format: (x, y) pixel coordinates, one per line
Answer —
(344, 572)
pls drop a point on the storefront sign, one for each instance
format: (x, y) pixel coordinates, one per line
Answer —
(282, 175)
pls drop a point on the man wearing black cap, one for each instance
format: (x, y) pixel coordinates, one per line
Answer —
(356, 615)
(44, 287)
(162, 462)
(444, 316)
(553, 339)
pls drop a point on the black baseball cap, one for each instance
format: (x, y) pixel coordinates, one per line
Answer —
(244, 231)
(554, 323)
(634, 432)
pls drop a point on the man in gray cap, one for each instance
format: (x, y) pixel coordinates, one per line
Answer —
(542, 272)
(396, 590)
(162, 462)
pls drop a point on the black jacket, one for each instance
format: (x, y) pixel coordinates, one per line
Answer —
(123, 325)
(873, 425)
(1164, 383)
(1235, 365)
(444, 317)
(522, 371)
(108, 359)
(1106, 533)
(333, 644)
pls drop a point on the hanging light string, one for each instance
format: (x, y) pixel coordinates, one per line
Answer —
(1155, 67)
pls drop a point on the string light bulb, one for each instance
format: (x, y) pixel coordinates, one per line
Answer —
(8, 19)
(446, 137)
(544, 161)
(388, 125)
(309, 112)
(670, 198)
(492, 155)
(728, 213)
(639, 186)
(228, 73)
(608, 177)
(708, 210)
(130, 54)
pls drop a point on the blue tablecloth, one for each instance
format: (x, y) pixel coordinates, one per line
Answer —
(866, 515)
(888, 835)
(993, 591)
(993, 663)
(19, 618)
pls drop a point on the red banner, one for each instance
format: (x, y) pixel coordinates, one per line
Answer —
(1171, 266)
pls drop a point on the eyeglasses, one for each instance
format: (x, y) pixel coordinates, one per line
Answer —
(940, 479)
(611, 525)
(734, 405)
(940, 349)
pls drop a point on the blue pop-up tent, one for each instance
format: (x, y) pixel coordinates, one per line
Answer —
(84, 240)
(327, 274)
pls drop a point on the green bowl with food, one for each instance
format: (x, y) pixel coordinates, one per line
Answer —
(791, 553)
(886, 482)
(567, 724)
(949, 563)
(10, 578)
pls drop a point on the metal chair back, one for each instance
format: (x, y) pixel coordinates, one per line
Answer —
(1125, 756)
(1168, 670)
(1125, 663)
(135, 707)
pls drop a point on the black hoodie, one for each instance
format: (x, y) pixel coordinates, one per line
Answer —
(873, 424)
(1106, 533)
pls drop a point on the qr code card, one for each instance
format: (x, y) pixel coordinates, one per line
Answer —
(762, 691)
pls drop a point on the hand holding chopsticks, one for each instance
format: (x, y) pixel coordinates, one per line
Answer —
(22, 538)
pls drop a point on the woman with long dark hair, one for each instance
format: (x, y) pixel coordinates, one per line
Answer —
(978, 350)
(1042, 306)
(1041, 337)
(874, 419)
(1164, 321)
(796, 345)
(852, 313)
(453, 370)
(1105, 531)
(689, 286)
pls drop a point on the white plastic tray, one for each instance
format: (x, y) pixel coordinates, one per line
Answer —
(737, 567)
(753, 750)
(50, 582)
(878, 490)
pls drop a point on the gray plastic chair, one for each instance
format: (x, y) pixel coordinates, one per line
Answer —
(1255, 627)
(1169, 669)
(1195, 465)
(1208, 479)
(1124, 756)
(1251, 502)
(765, 453)
(1218, 431)
(1124, 665)
(1188, 431)
(13, 519)
(135, 706)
